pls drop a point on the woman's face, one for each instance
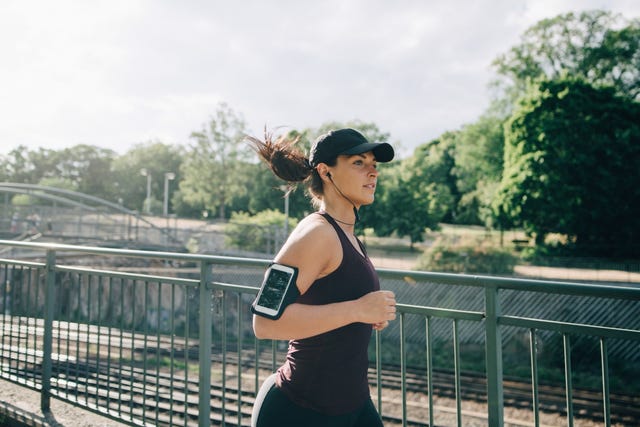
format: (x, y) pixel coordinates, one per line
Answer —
(356, 176)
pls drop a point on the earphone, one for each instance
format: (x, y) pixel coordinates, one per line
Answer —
(355, 210)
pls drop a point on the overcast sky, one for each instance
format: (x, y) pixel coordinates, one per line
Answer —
(117, 73)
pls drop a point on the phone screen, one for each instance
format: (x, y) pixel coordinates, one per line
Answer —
(274, 289)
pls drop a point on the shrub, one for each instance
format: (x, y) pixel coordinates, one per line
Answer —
(476, 256)
(259, 233)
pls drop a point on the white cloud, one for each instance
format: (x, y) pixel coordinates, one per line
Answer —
(114, 73)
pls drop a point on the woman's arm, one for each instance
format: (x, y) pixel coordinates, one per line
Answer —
(303, 321)
(315, 249)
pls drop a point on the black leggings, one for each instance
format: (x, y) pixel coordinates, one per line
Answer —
(274, 409)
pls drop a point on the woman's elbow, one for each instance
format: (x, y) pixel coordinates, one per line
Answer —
(260, 328)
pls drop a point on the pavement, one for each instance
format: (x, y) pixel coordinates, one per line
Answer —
(20, 407)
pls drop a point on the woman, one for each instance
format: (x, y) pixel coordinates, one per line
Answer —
(324, 379)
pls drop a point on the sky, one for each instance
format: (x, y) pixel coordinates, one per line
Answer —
(118, 73)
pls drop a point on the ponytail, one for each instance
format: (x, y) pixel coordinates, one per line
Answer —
(282, 157)
(287, 162)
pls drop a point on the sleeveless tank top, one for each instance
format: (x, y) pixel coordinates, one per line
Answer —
(328, 372)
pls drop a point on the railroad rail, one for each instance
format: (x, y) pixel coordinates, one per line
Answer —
(155, 393)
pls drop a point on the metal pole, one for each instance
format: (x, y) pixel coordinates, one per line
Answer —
(168, 176)
(493, 343)
(149, 193)
(286, 215)
(47, 345)
(145, 172)
(204, 351)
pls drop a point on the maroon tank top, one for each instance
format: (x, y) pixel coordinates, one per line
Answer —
(328, 372)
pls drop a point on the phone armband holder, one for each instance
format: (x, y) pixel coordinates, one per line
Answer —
(277, 291)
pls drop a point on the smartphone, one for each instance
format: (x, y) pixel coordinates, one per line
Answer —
(278, 290)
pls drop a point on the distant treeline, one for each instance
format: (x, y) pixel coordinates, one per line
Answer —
(557, 152)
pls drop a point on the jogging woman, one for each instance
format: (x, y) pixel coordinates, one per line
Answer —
(323, 381)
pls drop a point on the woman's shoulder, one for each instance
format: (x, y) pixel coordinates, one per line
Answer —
(312, 238)
(312, 227)
(314, 248)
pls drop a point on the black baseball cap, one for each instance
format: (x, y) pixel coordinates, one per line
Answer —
(346, 141)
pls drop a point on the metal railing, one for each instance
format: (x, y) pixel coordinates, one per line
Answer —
(159, 338)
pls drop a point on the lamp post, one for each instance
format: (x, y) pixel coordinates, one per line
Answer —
(286, 190)
(145, 172)
(168, 176)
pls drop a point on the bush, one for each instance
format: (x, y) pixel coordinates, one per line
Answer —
(262, 232)
(455, 256)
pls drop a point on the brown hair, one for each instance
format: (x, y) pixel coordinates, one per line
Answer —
(289, 163)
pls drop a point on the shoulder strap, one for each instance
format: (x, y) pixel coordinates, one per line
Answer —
(341, 234)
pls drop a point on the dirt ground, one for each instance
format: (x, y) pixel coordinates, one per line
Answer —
(408, 262)
(20, 406)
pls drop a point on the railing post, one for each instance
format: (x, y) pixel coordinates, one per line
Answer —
(47, 345)
(204, 350)
(493, 350)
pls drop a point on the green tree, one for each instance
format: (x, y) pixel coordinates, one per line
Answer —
(263, 232)
(434, 164)
(157, 158)
(88, 167)
(572, 166)
(413, 194)
(267, 192)
(479, 153)
(26, 166)
(601, 47)
(213, 172)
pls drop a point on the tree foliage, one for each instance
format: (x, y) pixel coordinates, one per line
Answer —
(82, 168)
(213, 172)
(157, 159)
(565, 161)
(478, 151)
(572, 166)
(597, 45)
(262, 232)
(414, 194)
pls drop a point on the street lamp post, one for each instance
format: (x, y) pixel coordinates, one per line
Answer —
(168, 176)
(145, 172)
(286, 190)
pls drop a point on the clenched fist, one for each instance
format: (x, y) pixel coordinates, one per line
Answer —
(377, 308)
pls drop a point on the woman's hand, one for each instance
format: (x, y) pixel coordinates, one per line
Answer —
(380, 326)
(377, 308)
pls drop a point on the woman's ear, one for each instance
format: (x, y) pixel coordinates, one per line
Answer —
(324, 173)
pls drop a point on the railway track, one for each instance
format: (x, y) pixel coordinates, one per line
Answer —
(165, 400)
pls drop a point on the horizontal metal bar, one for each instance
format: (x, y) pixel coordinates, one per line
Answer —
(235, 288)
(147, 277)
(530, 285)
(211, 259)
(22, 263)
(440, 312)
(564, 327)
(518, 284)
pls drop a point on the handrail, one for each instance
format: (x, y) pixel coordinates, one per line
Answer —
(532, 285)
(96, 250)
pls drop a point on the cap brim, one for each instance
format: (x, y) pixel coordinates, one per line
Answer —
(382, 150)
